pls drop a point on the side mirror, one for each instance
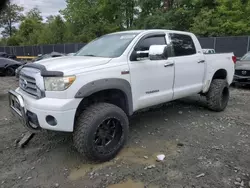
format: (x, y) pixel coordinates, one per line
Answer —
(158, 52)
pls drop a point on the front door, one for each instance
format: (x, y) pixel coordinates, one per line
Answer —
(152, 80)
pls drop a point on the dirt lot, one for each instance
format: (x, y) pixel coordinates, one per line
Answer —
(202, 148)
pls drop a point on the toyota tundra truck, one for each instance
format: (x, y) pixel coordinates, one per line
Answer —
(93, 93)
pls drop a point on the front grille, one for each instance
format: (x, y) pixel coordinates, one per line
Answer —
(242, 72)
(28, 84)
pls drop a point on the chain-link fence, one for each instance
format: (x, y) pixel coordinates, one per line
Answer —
(238, 45)
(41, 49)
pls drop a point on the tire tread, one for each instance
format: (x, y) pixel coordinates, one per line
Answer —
(214, 94)
(82, 128)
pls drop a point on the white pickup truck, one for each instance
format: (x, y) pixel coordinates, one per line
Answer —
(93, 93)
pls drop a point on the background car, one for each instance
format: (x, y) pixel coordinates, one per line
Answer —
(5, 55)
(8, 66)
(242, 70)
(208, 51)
(46, 56)
(71, 54)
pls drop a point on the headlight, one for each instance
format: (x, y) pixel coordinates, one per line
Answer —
(58, 83)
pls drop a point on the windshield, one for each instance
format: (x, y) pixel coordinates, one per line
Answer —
(107, 46)
(246, 57)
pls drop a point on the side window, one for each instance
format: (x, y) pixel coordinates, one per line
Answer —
(182, 44)
(152, 40)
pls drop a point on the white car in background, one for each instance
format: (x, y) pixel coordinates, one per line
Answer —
(208, 51)
(71, 54)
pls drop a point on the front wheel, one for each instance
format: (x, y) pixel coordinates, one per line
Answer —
(10, 71)
(218, 95)
(101, 131)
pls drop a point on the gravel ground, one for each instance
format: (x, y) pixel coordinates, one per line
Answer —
(202, 149)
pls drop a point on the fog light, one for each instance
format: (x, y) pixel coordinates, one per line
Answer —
(51, 120)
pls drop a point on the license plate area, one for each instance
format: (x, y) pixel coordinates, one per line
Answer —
(15, 104)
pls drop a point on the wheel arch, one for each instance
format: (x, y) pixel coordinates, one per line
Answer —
(218, 74)
(113, 90)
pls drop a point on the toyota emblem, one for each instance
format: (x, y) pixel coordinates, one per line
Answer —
(24, 83)
(244, 72)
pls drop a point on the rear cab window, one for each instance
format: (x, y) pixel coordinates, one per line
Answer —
(182, 45)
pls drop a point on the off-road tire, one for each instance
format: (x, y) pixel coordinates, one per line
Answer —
(218, 95)
(87, 124)
(10, 71)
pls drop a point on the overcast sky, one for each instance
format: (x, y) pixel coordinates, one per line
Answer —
(47, 7)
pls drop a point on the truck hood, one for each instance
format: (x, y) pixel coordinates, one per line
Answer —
(70, 63)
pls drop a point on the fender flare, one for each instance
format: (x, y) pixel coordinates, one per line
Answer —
(105, 84)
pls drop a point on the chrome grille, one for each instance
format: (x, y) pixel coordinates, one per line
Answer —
(242, 72)
(28, 84)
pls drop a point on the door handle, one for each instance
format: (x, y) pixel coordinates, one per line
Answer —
(169, 65)
(202, 61)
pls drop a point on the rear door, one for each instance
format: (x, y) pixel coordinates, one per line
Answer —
(189, 65)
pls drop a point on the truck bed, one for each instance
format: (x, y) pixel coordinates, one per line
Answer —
(219, 61)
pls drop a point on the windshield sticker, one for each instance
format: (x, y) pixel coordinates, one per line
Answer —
(127, 37)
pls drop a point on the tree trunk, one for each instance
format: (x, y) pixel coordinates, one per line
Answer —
(10, 28)
(168, 4)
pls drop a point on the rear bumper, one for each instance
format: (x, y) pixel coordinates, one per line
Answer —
(45, 113)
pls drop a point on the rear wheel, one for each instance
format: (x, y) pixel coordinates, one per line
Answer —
(218, 95)
(10, 71)
(101, 131)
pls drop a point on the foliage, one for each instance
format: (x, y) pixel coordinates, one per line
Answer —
(84, 20)
(34, 13)
(9, 16)
(226, 19)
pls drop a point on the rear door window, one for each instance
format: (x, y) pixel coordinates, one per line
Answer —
(182, 45)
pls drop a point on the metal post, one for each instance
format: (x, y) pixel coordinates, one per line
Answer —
(41, 49)
(32, 50)
(23, 51)
(64, 48)
(76, 47)
(53, 47)
(248, 40)
(215, 43)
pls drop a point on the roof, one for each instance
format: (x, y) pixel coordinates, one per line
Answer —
(151, 30)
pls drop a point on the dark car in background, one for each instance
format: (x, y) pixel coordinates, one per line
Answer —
(242, 70)
(8, 66)
(50, 55)
(5, 55)
(39, 58)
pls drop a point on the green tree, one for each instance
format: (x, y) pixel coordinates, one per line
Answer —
(30, 28)
(7, 30)
(94, 18)
(226, 19)
(11, 15)
(34, 13)
(53, 32)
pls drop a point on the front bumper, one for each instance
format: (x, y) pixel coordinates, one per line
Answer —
(241, 79)
(36, 114)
